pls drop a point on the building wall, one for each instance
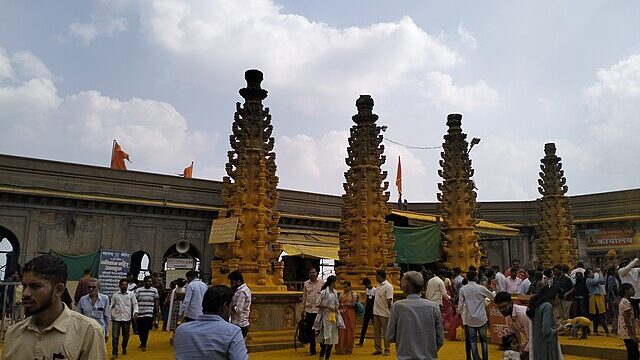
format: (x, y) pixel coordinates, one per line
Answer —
(76, 209)
(72, 229)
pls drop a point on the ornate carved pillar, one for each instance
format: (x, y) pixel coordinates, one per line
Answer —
(556, 244)
(458, 199)
(366, 238)
(251, 195)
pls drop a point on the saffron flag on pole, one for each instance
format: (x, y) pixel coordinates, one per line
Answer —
(399, 178)
(187, 173)
(118, 157)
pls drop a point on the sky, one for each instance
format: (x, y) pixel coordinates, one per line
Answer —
(162, 77)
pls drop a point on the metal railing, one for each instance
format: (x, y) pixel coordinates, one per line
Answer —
(294, 285)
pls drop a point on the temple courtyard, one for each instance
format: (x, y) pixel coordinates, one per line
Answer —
(160, 349)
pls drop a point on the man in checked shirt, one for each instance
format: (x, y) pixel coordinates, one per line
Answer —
(240, 303)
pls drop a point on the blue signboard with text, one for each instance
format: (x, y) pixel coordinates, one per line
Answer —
(114, 265)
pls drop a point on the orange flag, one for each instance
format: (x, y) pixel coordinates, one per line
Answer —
(399, 178)
(118, 156)
(187, 173)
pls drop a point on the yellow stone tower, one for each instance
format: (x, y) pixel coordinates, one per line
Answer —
(251, 195)
(366, 238)
(556, 244)
(458, 199)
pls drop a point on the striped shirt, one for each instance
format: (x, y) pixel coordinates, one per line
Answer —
(146, 301)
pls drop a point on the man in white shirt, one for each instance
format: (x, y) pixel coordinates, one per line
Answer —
(500, 278)
(310, 298)
(381, 312)
(513, 282)
(240, 306)
(630, 274)
(526, 283)
(579, 269)
(472, 299)
(124, 308)
(191, 307)
(436, 290)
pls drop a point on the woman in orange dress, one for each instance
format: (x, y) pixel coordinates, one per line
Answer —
(347, 308)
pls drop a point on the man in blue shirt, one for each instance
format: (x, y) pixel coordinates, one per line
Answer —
(415, 324)
(96, 306)
(210, 336)
(191, 307)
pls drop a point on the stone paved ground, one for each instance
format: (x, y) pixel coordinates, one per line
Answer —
(450, 351)
(159, 349)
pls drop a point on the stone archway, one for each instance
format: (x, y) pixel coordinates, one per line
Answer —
(192, 253)
(9, 253)
(140, 264)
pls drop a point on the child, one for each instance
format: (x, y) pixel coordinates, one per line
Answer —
(577, 323)
(511, 347)
(626, 325)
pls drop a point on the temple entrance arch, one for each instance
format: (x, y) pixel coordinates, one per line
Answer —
(9, 253)
(140, 262)
(173, 253)
(175, 264)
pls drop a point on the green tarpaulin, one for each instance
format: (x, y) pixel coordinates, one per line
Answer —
(77, 263)
(417, 245)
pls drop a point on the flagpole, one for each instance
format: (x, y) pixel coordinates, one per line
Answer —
(113, 148)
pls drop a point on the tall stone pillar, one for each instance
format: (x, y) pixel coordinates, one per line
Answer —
(250, 193)
(556, 244)
(458, 199)
(366, 238)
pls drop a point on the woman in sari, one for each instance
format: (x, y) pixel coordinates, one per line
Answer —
(543, 338)
(447, 305)
(328, 319)
(347, 308)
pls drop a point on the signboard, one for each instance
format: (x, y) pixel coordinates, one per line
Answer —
(223, 230)
(173, 263)
(498, 324)
(608, 238)
(114, 265)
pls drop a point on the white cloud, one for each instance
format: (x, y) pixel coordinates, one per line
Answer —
(614, 104)
(6, 70)
(440, 89)
(620, 82)
(87, 32)
(467, 37)
(80, 127)
(29, 66)
(303, 161)
(310, 63)
(318, 165)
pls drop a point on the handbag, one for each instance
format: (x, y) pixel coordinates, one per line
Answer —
(331, 317)
(359, 308)
(303, 335)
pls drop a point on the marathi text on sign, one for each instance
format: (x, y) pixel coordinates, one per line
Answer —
(114, 265)
(179, 263)
(598, 238)
(223, 230)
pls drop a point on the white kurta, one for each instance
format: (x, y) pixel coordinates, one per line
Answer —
(328, 330)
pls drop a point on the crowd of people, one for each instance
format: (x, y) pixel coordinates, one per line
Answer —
(549, 302)
(214, 320)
